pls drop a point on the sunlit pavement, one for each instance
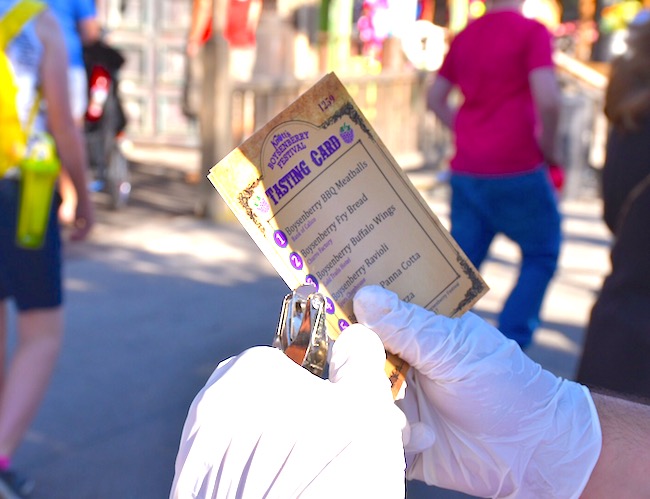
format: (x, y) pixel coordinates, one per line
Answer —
(156, 298)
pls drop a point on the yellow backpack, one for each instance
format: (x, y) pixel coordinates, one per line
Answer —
(13, 137)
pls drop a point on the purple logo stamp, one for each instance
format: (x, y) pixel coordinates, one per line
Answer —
(261, 204)
(346, 133)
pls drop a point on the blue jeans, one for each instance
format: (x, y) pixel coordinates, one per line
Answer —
(524, 209)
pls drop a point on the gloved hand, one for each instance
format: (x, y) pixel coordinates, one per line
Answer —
(503, 426)
(265, 427)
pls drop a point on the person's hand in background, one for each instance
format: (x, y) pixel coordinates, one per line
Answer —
(485, 419)
(265, 427)
(558, 177)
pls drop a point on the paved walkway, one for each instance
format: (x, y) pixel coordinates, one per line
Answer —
(156, 298)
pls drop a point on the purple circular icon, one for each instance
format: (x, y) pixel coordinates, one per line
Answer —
(280, 239)
(296, 261)
(343, 324)
(330, 308)
(310, 279)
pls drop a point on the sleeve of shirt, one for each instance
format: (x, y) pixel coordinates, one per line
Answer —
(540, 53)
(86, 9)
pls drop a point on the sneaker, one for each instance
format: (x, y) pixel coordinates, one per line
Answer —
(14, 486)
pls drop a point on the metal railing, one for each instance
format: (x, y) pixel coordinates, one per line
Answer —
(583, 125)
(393, 104)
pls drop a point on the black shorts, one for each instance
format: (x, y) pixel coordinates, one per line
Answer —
(31, 277)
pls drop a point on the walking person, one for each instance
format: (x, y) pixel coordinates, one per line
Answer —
(206, 64)
(504, 133)
(240, 28)
(32, 277)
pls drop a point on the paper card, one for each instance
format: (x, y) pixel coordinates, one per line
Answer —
(327, 204)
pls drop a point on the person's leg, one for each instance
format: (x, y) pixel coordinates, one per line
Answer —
(32, 277)
(3, 342)
(528, 214)
(8, 201)
(470, 220)
(40, 333)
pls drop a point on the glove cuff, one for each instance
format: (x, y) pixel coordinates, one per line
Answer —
(597, 444)
(565, 458)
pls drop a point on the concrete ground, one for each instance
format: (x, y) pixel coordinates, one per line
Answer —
(156, 298)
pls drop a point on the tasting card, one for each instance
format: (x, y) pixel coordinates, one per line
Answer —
(327, 204)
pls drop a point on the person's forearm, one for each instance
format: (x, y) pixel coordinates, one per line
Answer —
(254, 13)
(73, 159)
(550, 117)
(547, 97)
(445, 113)
(623, 468)
(438, 102)
(201, 15)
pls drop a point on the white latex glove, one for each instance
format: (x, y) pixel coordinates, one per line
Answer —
(265, 427)
(503, 426)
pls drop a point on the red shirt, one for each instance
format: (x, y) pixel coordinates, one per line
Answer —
(239, 30)
(490, 61)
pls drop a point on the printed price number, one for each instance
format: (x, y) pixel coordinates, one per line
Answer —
(326, 102)
(310, 279)
(296, 261)
(280, 239)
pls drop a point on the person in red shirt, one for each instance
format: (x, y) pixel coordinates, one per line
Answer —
(200, 27)
(505, 133)
(239, 31)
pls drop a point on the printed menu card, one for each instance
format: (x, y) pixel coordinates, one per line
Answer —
(327, 204)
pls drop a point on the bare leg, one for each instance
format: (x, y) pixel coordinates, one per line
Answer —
(3, 343)
(40, 333)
